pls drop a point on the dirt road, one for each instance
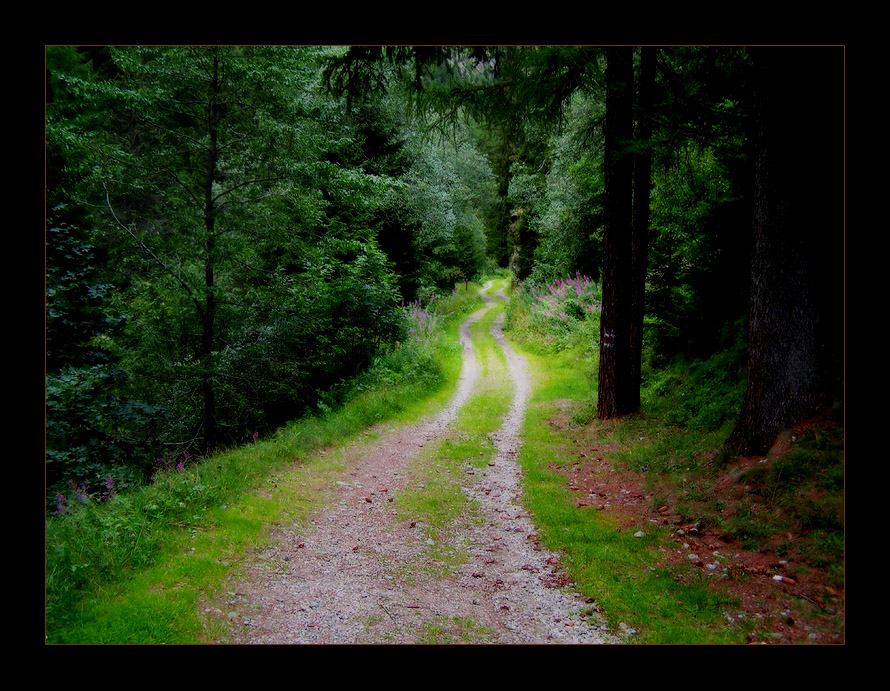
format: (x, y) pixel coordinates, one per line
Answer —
(358, 573)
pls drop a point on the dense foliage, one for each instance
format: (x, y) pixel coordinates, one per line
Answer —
(237, 227)
(96, 536)
(242, 248)
(242, 237)
(699, 230)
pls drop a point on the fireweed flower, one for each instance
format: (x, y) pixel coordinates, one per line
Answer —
(421, 322)
(180, 466)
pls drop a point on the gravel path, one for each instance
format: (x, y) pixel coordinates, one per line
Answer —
(357, 573)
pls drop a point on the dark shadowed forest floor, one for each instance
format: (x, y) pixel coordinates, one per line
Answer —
(790, 598)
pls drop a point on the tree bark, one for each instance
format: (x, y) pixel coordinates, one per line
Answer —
(642, 188)
(615, 378)
(208, 321)
(796, 218)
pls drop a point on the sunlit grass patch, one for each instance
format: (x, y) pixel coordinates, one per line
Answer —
(451, 630)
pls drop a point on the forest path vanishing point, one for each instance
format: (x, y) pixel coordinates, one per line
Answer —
(358, 571)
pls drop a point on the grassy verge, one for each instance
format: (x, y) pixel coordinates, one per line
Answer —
(789, 507)
(619, 572)
(134, 568)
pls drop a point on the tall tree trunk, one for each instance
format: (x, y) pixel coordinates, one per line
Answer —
(795, 217)
(208, 322)
(641, 196)
(615, 379)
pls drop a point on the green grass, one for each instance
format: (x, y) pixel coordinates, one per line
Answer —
(619, 572)
(454, 630)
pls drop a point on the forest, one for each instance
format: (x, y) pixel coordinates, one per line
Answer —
(236, 235)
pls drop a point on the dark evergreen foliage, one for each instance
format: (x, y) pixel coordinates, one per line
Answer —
(95, 435)
(237, 226)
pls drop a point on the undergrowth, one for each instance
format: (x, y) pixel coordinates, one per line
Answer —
(553, 317)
